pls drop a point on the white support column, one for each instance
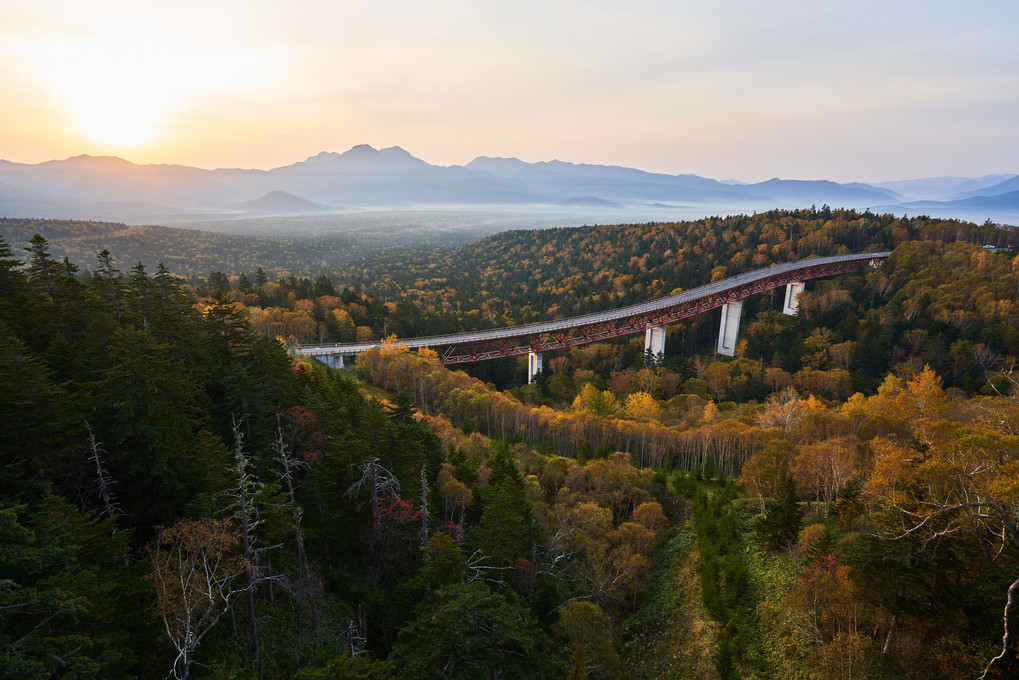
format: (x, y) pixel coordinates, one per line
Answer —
(792, 292)
(333, 361)
(654, 341)
(728, 332)
(533, 366)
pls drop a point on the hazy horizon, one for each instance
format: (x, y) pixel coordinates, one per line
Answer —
(845, 91)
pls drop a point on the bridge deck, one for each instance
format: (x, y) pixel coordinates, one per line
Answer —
(612, 323)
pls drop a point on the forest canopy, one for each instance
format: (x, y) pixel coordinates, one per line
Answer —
(822, 505)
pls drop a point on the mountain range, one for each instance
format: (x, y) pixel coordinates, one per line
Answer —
(365, 178)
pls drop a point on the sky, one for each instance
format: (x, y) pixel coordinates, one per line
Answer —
(728, 89)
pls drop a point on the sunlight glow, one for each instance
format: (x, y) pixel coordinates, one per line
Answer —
(123, 79)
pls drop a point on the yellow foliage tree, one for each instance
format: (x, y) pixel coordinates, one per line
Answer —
(642, 406)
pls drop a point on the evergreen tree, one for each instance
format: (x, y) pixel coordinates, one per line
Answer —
(323, 286)
(227, 321)
(146, 412)
(505, 530)
(37, 417)
(42, 268)
(173, 320)
(63, 608)
(12, 283)
(466, 631)
(105, 283)
(244, 283)
(140, 294)
(53, 289)
(782, 516)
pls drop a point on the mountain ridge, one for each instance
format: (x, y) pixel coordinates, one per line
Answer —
(366, 178)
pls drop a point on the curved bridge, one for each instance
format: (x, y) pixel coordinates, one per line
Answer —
(649, 317)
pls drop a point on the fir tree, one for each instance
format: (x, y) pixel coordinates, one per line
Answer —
(505, 528)
(782, 516)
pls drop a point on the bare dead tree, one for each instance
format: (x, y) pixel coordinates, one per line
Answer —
(243, 510)
(355, 637)
(547, 559)
(380, 483)
(424, 506)
(478, 570)
(110, 506)
(289, 465)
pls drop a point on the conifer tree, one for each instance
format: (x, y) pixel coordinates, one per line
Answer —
(782, 516)
(37, 416)
(12, 283)
(54, 286)
(106, 282)
(505, 531)
(61, 605)
(147, 414)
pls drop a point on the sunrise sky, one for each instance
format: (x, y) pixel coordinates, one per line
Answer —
(854, 90)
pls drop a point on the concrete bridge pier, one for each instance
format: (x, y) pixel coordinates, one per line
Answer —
(728, 332)
(792, 293)
(654, 341)
(533, 366)
(333, 361)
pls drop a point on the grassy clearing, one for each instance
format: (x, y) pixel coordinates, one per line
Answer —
(672, 636)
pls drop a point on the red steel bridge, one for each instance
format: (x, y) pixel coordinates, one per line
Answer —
(646, 317)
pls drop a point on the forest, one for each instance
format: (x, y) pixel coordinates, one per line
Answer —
(183, 498)
(298, 245)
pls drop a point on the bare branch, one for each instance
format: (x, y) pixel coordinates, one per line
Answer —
(1006, 639)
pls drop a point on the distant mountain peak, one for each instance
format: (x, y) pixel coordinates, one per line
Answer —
(360, 158)
(482, 160)
(322, 156)
(395, 151)
(85, 159)
(355, 152)
(361, 149)
(281, 202)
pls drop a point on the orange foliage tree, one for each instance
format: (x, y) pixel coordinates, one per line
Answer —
(196, 572)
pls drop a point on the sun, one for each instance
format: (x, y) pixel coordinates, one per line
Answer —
(124, 77)
(116, 95)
